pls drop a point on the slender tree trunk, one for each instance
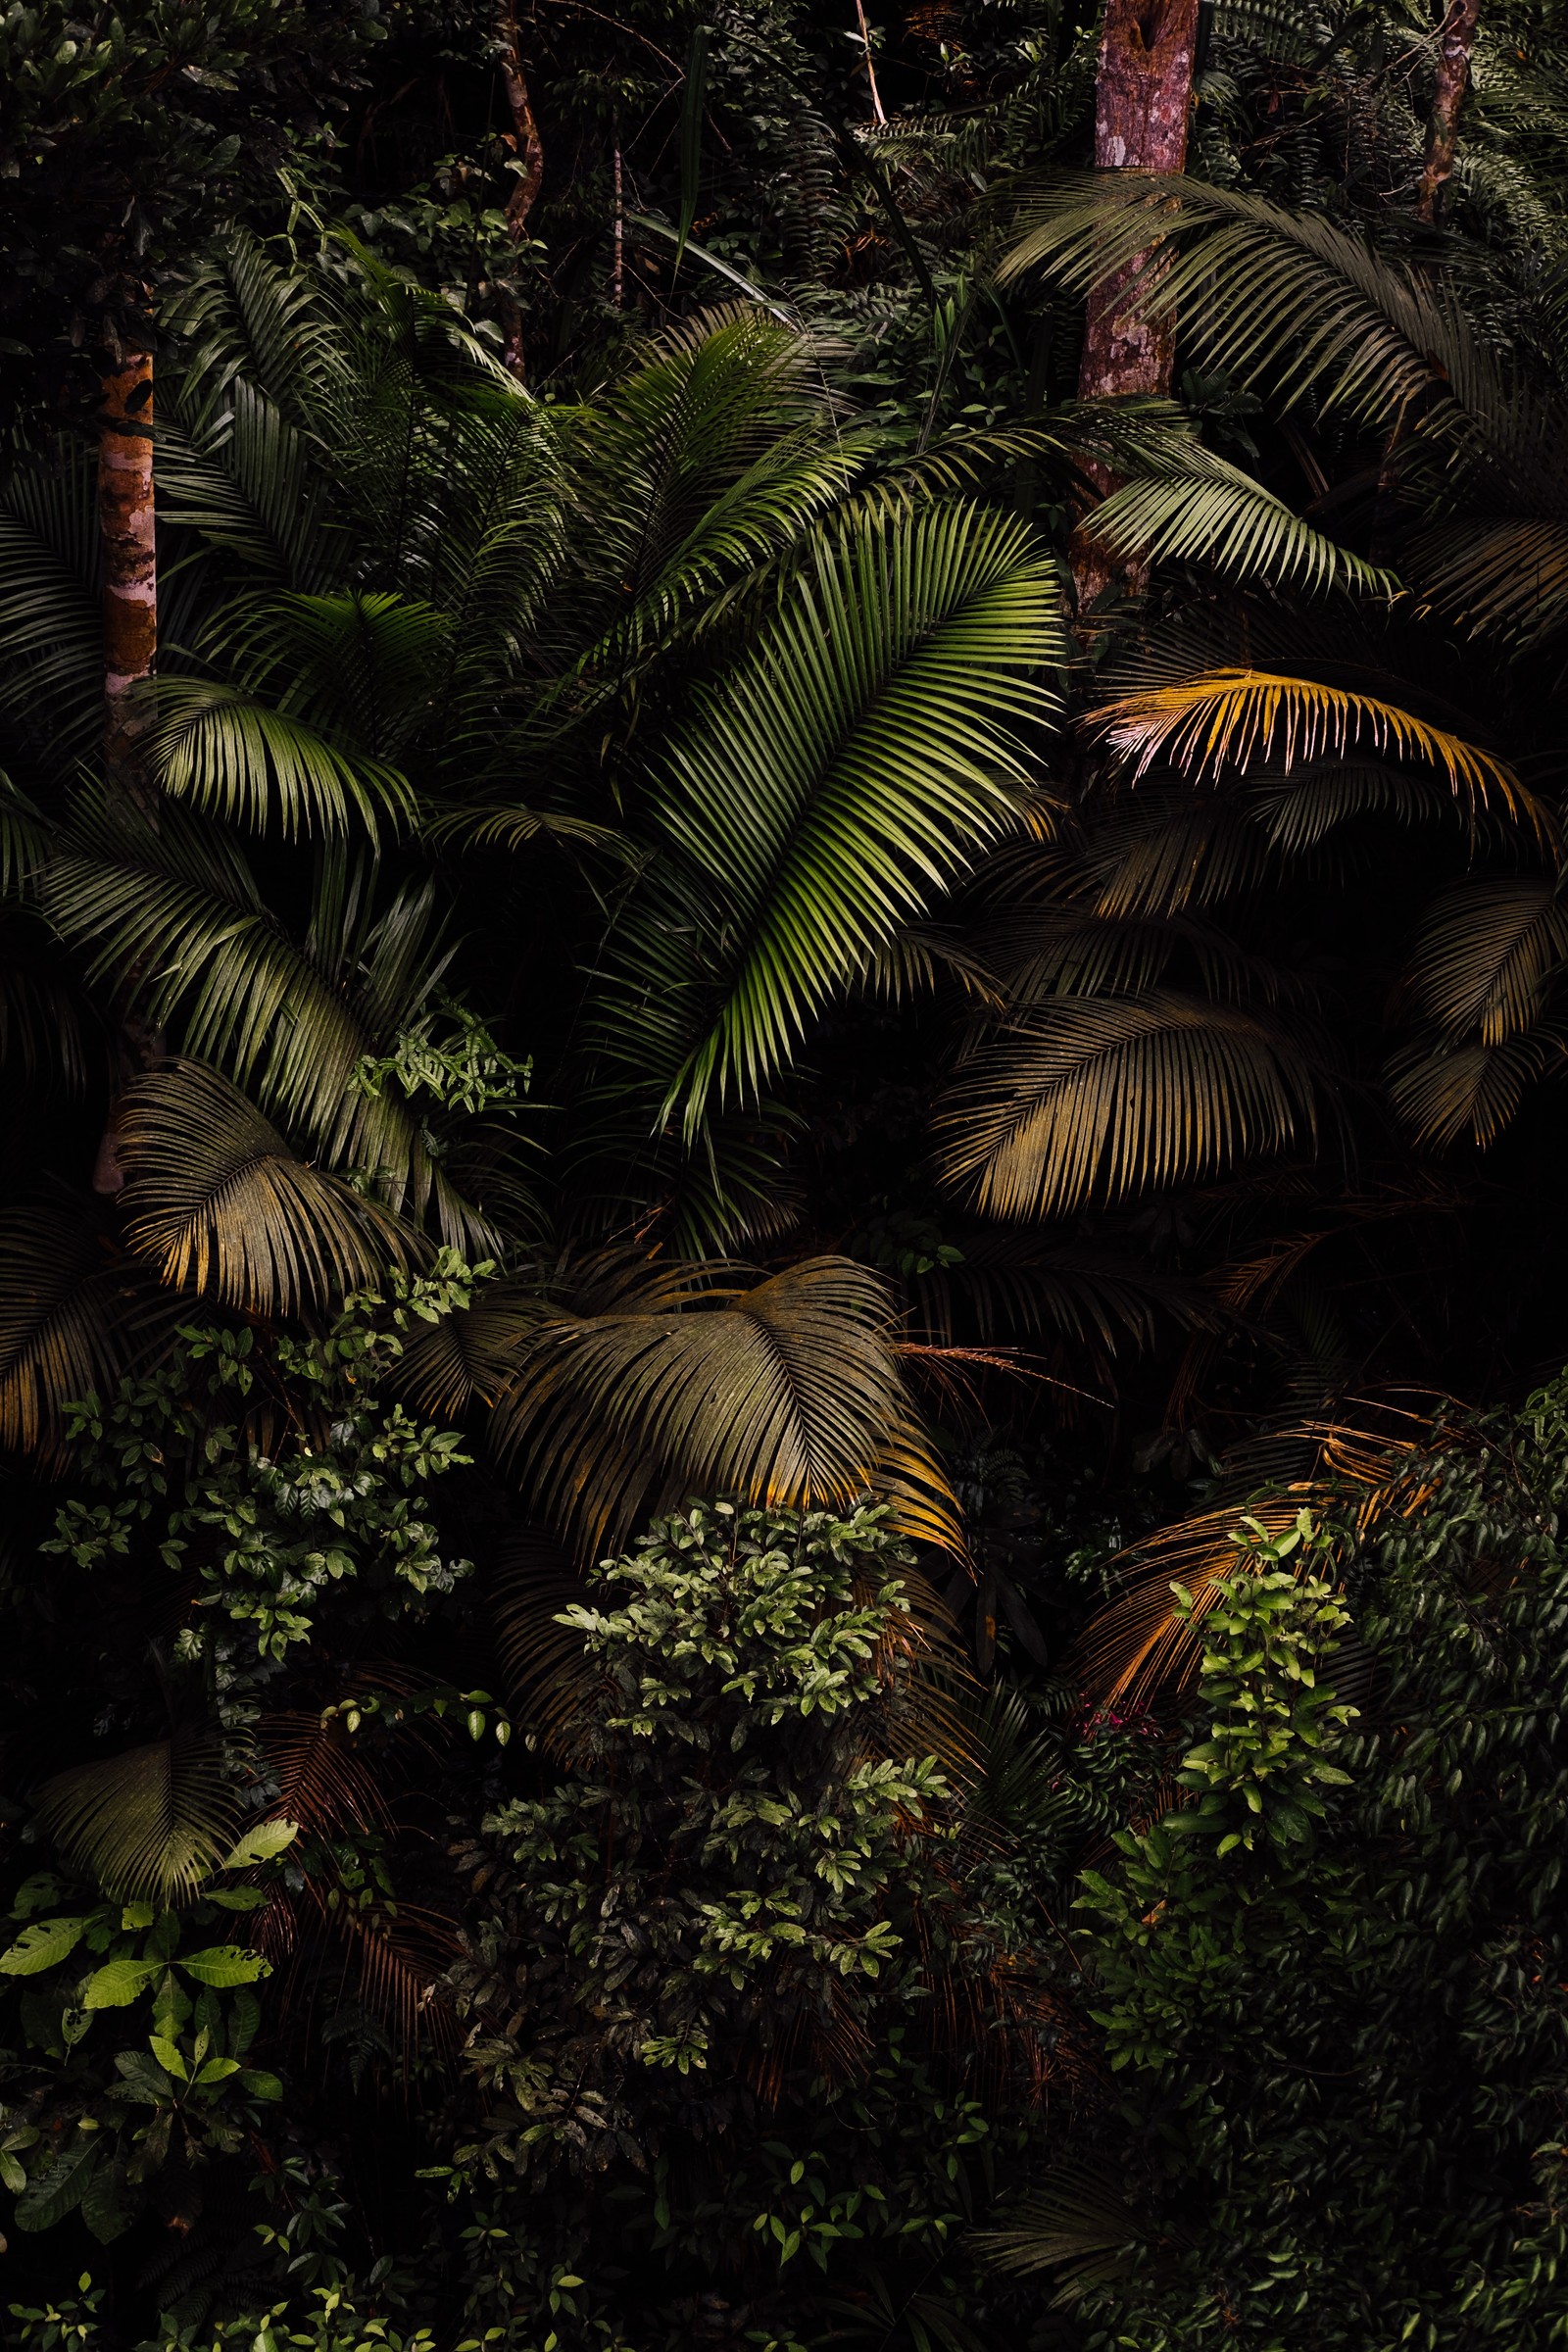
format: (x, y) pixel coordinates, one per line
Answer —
(1456, 42)
(1142, 96)
(530, 149)
(617, 273)
(126, 524)
(127, 534)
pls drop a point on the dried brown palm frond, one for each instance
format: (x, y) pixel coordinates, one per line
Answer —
(323, 1782)
(1142, 1643)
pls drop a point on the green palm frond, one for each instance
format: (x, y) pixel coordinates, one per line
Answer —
(1486, 954)
(265, 769)
(1078, 2223)
(1229, 718)
(718, 453)
(1099, 1098)
(148, 1825)
(1287, 302)
(253, 484)
(224, 1205)
(1505, 578)
(177, 915)
(51, 627)
(839, 779)
(1299, 807)
(1214, 515)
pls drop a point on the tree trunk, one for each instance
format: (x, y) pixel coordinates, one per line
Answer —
(530, 148)
(126, 524)
(1142, 96)
(126, 532)
(1454, 44)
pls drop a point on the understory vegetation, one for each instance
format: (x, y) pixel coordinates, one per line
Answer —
(782, 1285)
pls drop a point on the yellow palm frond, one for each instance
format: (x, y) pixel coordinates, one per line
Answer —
(1230, 719)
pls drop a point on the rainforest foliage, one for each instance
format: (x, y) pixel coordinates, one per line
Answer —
(782, 947)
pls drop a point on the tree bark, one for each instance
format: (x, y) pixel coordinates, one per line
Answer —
(1456, 42)
(530, 148)
(1143, 97)
(126, 531)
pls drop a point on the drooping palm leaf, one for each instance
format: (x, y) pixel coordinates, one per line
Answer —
(224, 1205)
(265, 769)
(1285, 301)
(1232, 718)
(1486, 954)
(834, 786)
(1098, 1098)
(74, 1313)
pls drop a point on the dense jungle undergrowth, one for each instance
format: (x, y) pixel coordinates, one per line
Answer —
(782, 1277)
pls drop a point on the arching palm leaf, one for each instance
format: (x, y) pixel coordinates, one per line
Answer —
(786, 1392)
(265, 769)
(1098, 1098)
(74, 1313)
(216, 1196)
(1233, 718)
(839, 779)
(1486, 954)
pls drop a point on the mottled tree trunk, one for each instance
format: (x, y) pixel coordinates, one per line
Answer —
(530, 149)
(1142, 96)
(126, 524)
(1456, 42)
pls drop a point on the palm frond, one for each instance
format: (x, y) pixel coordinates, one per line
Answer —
(788, 1392)
(265, 770)
(839, 779)
(74, 1313)
(148, 1825)
(1102, 1097)
(51, 627)
(1078, 2223)
(1446, 1091)
(1230, 719)
(1486, 954)
(224, 1205)
(1214, 515)
(1286, 301)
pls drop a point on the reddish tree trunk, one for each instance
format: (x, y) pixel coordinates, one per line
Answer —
(126, 524)
(1454, 44)
(1142, 96)
(530, 148)
(126, 533)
